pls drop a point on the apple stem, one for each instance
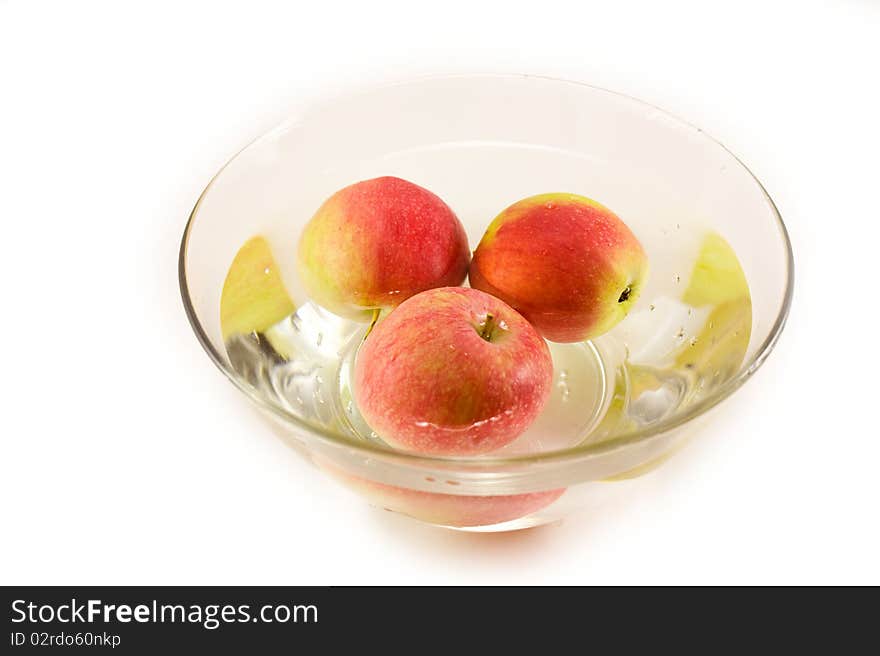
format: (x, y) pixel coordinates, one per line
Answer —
(373, 321)
(487, 328)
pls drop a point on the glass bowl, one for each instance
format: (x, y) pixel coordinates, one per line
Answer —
(713, 307)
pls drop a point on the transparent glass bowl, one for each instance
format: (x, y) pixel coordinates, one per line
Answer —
(715, 303)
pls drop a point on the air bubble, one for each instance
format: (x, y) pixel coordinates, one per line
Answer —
(562, 385)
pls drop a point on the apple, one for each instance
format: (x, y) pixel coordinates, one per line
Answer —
(568, 264)
(374, 244)
(452, 371)
(254, 297)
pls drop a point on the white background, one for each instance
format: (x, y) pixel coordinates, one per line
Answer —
(128, 458)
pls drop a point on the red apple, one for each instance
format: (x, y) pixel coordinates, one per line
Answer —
(375, 243)
(452, 371)
(568, 264)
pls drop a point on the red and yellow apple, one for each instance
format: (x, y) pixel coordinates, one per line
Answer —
(568, 264)
(374, 244)
(452, 371)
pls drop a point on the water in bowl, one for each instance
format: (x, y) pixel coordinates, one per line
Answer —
(687, 335)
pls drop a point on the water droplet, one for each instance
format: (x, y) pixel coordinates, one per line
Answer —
(563, 374)
(693, 341)
(267, 270)
(320, 339)
(680, 333)
(677, 278)
(349, 408)
(374, 435)
(550, 205)
(651, 307)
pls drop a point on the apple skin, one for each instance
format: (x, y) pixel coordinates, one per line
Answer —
(566, 263)
(377, 242)
(452, 371)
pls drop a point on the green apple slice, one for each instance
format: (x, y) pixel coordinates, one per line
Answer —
(717, 276)
(254, 297)
(718, 281)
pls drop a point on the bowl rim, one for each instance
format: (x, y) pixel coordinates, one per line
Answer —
(566, 456)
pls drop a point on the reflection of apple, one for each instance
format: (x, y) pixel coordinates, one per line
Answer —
(374, 244)
(568, 264)
(447, 509)
(452, 371)
(253, 297)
